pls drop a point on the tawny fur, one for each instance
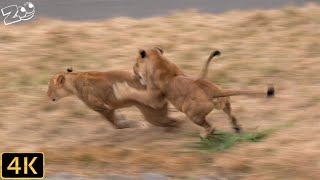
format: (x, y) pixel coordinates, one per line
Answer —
(95, 90)
(166, 82)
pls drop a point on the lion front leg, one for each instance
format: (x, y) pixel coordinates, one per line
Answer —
(152, 98)
(158, 117)
(120, 122)
(108, 112)
(123, 91)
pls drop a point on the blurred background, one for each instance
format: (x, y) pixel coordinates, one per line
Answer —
(262, 42)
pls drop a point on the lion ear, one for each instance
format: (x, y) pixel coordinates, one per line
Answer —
(159, 50)
(142, 53)
(69, 69)
(61, 79)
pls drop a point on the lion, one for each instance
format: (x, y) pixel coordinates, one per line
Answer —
(96, 91)
(166, 82)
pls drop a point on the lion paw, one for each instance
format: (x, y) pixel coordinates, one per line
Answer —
(122, 124)
(207, 133)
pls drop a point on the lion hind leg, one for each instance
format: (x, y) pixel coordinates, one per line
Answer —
(202, 121)
(227, 109)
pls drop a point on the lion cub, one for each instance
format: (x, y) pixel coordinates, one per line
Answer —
(166, 82)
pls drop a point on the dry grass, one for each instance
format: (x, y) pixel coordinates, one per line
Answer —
(258, 47)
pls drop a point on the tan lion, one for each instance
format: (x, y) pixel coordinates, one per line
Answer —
(95, 90)
(166, 82)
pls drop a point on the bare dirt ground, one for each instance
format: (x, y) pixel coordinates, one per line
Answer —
(258, 47)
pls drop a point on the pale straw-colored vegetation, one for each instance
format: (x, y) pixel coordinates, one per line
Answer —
(258, 48)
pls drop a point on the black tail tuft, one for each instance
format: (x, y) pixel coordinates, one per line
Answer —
(270, 92)
(216, 53)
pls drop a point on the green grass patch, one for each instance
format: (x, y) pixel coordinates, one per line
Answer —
(220, 141)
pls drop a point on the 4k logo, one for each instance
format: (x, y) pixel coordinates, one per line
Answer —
(22, 165)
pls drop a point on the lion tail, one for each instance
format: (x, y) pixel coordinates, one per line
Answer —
(224, 93)
(204, 71)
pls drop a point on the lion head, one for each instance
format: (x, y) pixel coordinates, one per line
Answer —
(140, 67)
(56, 86)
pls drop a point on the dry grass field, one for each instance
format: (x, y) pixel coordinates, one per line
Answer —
(258, 48)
